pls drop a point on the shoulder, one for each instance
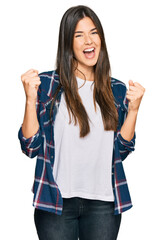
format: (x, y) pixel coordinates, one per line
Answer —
(49, 81)
(47, 78)
(118, 86)
(119, 91)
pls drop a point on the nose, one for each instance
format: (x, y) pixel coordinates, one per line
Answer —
(87, 39)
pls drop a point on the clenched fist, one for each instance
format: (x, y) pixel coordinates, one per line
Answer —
(135, 95)
(31, 82)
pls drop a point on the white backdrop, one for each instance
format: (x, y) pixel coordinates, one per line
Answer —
(29, 35)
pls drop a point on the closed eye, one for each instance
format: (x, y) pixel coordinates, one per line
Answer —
(78, 36)
(94, 32)
(82, 35)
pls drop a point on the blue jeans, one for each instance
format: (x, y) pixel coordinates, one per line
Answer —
(82, 219)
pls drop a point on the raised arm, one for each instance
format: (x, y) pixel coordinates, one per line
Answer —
(29, 133)
(31, 82)
(134, 95)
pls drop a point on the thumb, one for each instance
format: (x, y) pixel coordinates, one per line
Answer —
(131, 83)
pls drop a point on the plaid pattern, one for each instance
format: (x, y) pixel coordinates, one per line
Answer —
(47, 195)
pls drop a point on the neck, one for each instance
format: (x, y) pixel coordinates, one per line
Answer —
(89, 74)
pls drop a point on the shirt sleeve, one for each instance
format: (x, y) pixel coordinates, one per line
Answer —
(30, 146)
(125, 147)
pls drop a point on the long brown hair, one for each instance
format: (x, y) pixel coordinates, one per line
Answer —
(66, 66)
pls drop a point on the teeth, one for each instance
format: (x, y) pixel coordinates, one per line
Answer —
(89, 50)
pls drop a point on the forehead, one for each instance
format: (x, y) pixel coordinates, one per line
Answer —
(85, 24)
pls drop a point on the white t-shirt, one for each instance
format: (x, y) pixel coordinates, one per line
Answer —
(83, 166)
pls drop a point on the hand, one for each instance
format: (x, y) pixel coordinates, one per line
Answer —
(31, 82)
(134, 95)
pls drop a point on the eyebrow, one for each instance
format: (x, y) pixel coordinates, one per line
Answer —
(82, 31)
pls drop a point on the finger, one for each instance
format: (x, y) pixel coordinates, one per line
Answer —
(135, 96)
(36, 79)
(139, 86)
(130, 93)
(131, 83)
(34, 85)
(132, 88)
(33, 74)
(30, 71)
(131, 98)
(31, 81)
(29, 78)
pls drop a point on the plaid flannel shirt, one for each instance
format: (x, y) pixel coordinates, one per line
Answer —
(47, 195)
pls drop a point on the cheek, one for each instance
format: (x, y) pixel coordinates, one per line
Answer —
(77, 45)
(99, 42)
(77, 49)
(99, 46)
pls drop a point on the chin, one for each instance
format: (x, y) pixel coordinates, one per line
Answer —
(90, 63)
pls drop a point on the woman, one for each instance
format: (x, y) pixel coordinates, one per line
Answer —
(80, 123)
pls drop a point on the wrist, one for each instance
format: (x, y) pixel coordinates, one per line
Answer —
(133, 111)
(30, 101)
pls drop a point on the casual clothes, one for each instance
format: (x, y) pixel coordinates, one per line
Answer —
(83, 166)
(47, 195)
(80, 219)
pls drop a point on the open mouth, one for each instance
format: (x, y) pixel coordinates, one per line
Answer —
(89, 52)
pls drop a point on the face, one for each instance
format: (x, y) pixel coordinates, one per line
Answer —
(86, 44)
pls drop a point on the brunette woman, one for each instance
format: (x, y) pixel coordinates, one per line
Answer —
(80, 123)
